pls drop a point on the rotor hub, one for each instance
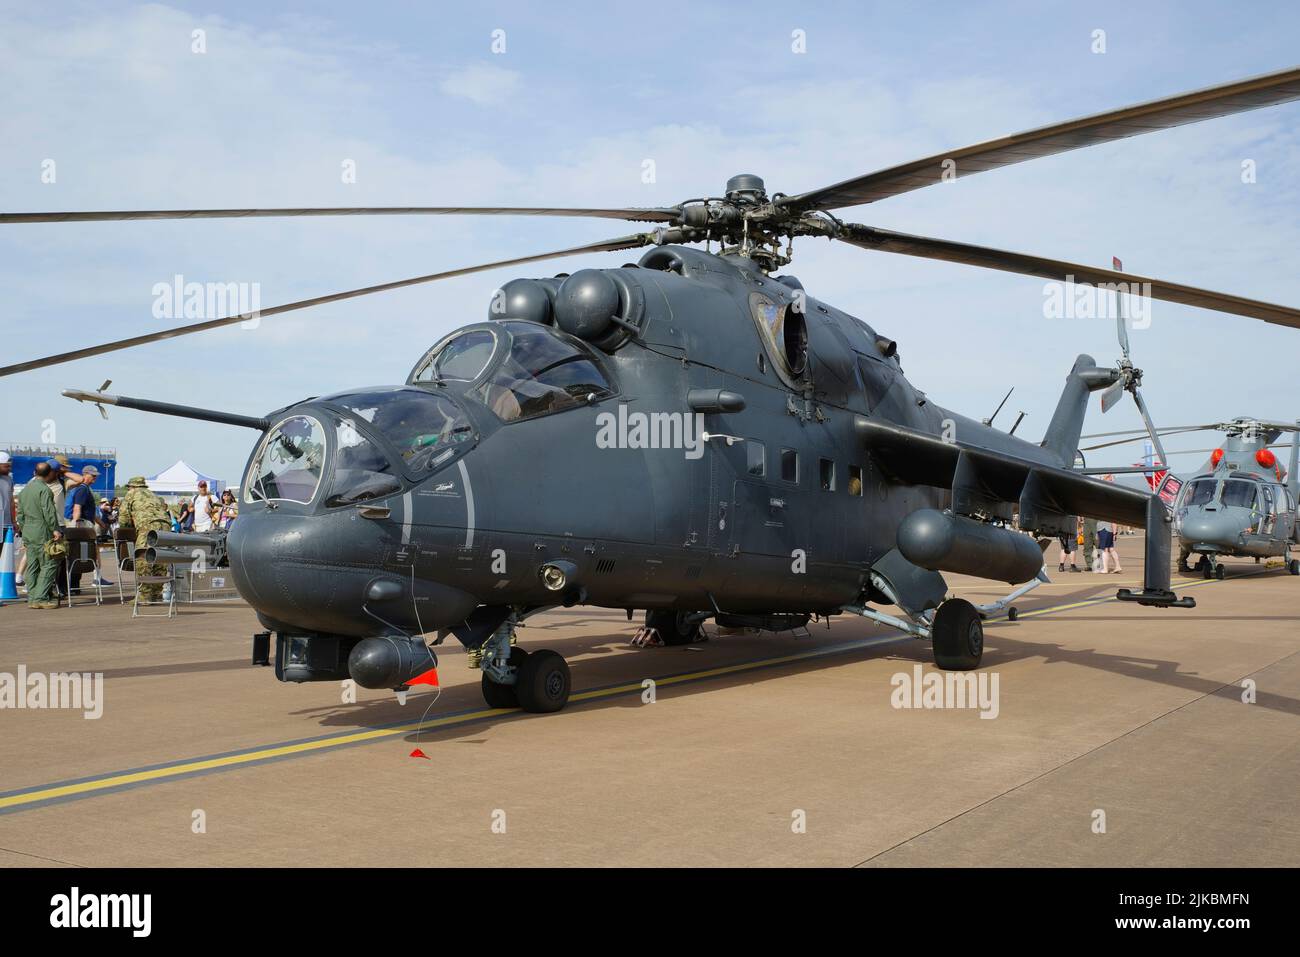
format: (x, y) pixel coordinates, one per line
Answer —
(746, 188)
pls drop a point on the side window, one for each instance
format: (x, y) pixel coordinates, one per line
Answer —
(755, 458)
(462, 358)
(789, 466)
(855, 480)
(828, 475)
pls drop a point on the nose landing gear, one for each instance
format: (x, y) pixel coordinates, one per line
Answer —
(537, 681)
(542, 682)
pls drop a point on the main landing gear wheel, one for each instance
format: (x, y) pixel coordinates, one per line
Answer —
(499, 695)
(1293, 566)
(958, 636)
(542, 682)
(1218, 572)
(673, 627)
(1013, 613)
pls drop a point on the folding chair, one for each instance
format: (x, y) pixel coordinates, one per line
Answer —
(82, 552)
(168, 580)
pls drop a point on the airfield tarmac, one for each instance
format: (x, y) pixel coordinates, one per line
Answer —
(1102, 706)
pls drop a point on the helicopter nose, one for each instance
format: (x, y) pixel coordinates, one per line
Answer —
(1207, 527)
(280, 565)
(334, 574)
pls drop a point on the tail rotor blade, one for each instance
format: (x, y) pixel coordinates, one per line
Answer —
(1112, 395)
(1151, 429)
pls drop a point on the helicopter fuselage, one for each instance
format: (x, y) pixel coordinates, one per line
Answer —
(1241, 505)
(715, 467)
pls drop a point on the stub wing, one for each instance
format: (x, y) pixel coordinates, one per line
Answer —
(985, 482)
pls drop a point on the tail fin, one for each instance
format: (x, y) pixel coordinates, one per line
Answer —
(1062, 437)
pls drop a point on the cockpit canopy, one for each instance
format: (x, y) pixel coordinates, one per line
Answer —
(518, 369)
(365, 441)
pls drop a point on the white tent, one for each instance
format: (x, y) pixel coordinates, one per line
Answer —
(181, 479)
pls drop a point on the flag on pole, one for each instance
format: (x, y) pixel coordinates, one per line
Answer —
(1118, 266)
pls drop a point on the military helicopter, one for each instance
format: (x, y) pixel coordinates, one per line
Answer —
(689, 435)
(1240, 503)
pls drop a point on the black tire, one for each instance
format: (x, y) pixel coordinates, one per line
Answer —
(1218, 572)
(499, 695)
(1293, 566)
(543, 682)
(1206, 572)
(958, 636)
(1013, 613)
(672, 626)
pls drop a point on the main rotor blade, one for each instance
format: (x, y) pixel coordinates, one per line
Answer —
(610, 245)
(1135, 438)
(868, 237)
(631, 214)
(1167, 430)
(1223, 100)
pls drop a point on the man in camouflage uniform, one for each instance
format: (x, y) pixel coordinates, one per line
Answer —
(38, 523)
(145, 512)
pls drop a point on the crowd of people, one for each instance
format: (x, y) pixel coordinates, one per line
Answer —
(59, 497)
(1097, 540)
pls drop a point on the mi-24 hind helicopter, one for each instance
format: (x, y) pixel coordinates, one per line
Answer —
(690, 435)
(1241, 503)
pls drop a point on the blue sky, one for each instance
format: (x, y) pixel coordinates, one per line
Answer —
(582, 96)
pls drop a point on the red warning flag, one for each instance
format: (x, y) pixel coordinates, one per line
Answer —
(417, 753)
(430, 678)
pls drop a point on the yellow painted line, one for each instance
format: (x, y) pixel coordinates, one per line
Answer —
(1178, 586)
(126, 779)
(159, 774)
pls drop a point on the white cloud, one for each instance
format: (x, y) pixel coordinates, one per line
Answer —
(481, 83)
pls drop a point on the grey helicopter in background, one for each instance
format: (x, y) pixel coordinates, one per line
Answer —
(1241, 503)
(689, 435)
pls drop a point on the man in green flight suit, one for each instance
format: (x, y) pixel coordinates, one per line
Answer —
(145, 512)
(1089, 542)
(38, 523)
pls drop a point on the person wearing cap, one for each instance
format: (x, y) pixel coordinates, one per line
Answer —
(203, 505)
(145, 512)
(6, 494)
(79, 512)
(54, 479)
(39, 524)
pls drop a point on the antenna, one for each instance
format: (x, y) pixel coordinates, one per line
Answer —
(1020, 418)
(989, 420)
